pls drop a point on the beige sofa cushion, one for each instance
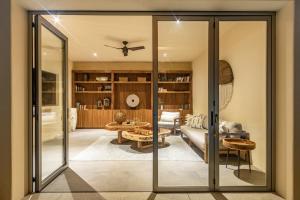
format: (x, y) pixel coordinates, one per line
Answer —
(197, 136)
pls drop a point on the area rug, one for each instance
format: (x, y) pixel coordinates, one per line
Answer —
(100, 144)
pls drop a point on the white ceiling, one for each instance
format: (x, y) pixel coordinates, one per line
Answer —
(87, 35)
(155, 5)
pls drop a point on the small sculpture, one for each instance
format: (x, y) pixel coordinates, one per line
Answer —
(120, 117)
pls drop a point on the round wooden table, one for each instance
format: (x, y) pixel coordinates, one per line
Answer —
(146, 136)
(239, 145)
(114, 126)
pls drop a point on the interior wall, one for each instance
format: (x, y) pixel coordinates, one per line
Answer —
(19, 109)
(284, 101)
(235, 47)
(248, 63)
(131, 66)
(200, 84)
(5, 100)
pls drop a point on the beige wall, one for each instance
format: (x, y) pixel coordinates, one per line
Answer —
(248, 63)
(19, 87)
(284, 102)
(200, 84)
(130, 66)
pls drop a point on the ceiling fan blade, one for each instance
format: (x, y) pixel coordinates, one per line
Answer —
(112, 47)
(136, 48)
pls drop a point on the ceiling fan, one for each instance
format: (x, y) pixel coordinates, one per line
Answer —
(125, 48)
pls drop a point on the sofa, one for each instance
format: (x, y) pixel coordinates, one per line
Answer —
(197, 133)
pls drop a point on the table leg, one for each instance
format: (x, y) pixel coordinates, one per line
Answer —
(139, 144)
(249, 160)
(239, 154)
(163, 141)
(119, 137)
(227, 157)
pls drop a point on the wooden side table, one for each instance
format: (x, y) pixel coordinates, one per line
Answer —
(239, 145)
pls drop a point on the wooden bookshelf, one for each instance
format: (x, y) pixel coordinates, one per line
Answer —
(86, 90)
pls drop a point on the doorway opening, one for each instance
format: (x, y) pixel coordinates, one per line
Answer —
(163, 103)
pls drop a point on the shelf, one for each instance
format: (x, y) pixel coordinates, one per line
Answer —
(174, 82)
(93, 92)
(49, 92)
(135, 82)
(175, 92)
(92, 82)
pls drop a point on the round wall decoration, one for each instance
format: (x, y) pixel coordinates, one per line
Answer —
(132, 100)
(225, 72)
(225, 84)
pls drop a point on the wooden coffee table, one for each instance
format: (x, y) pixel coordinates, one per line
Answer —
(239, 145)
(145, 140)
(114, 126)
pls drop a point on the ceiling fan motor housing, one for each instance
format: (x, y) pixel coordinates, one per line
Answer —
(125, 51)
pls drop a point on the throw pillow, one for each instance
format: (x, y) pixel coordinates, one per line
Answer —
(197, 121)
(188, 120)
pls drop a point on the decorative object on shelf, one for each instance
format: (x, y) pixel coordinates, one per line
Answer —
(77, 105)
(99, 104)
(120, 117)
(123, 78)
(106, 102)
(162, 89)
(132, 100)
(225, 84)
(107, 87)
(141, 79)
(82, 107)
(162, 77)
(79, 88)
(85, 77)
(100, 88)
(101, 78)
(182, 79)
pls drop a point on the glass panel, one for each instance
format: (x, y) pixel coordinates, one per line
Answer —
(52, 133)
(242, 103)
(183, 103)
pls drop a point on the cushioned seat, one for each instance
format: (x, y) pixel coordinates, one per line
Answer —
(169, 120)
(169, 125)
(199, 136)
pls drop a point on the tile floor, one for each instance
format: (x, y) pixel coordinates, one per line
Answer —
(152, 196)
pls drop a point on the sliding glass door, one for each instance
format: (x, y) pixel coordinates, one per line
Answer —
(243, 94)
(50, 102)
(183, 74)
(213, 83)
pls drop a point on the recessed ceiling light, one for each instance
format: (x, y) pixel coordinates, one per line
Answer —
(177, 21)
(165, 54)
(95, 54)
(56, 19)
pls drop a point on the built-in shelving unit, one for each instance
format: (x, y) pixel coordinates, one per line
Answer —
(92, 88)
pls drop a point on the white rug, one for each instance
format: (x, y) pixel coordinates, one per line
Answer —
(96, 144)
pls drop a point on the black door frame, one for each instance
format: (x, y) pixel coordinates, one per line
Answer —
(40, 22)
(268, 16)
